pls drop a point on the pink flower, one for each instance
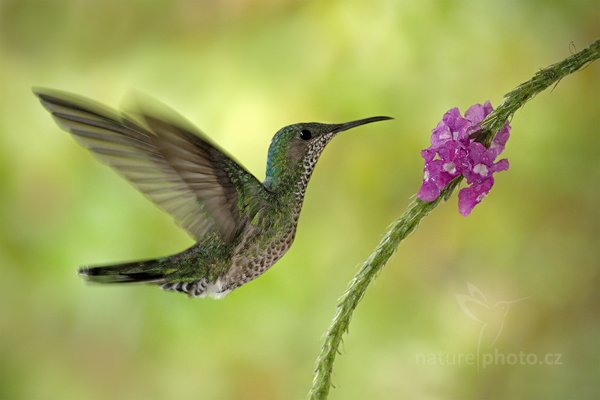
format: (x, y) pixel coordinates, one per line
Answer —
(453, 153)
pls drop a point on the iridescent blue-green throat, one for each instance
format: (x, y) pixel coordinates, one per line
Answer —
(241, 226)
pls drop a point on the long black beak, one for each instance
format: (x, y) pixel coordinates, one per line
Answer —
(336, 128)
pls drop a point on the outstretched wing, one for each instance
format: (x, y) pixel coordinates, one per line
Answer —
(165, 158)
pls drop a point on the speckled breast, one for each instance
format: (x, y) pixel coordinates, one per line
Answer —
(254, 256)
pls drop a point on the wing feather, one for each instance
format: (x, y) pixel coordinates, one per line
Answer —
(165, 158)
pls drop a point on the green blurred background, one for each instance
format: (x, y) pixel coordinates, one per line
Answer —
(240, 70)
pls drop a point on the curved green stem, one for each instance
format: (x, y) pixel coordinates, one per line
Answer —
(418, 209)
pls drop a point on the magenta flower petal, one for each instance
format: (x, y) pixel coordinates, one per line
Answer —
(447, 152)
(457, 124)
(430, 188)
(475, 114)
(428, 154)
(500, 140)
(429, 191)
(440, 134)
(451, 117)
(501, 165)
(467, 200)
(470, 196)
(477, 152)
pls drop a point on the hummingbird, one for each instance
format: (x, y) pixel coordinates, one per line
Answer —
(240, 226)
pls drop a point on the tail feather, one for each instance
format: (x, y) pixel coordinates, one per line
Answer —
(179, 273)
(133, 272)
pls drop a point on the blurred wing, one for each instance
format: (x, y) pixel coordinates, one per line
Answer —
(165, 158)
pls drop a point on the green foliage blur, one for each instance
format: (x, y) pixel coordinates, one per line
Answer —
(240, 70)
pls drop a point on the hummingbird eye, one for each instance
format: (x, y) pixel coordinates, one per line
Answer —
(305, 134)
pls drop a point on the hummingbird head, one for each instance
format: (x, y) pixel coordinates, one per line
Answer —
(295, 149)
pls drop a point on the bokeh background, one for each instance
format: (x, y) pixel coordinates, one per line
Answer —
(240, 70)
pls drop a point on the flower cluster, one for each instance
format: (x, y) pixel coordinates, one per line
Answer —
(453, 153)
